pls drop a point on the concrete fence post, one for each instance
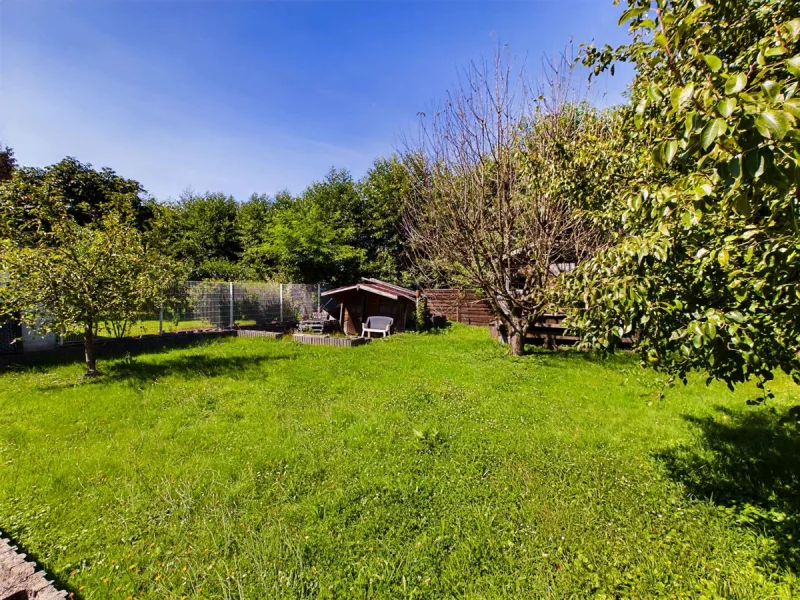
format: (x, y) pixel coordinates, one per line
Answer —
(281, 317)
(231, 298)
(319, 298)
(161, 319)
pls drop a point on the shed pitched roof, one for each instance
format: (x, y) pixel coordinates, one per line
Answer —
(376, 286)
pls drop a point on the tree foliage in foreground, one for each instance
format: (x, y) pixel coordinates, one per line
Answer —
(67, 274)
(706, 266)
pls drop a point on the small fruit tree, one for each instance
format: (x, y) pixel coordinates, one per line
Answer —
(64, 272)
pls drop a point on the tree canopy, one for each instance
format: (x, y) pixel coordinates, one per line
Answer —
(336, 231)
(7, 162)
(498, 173)
(706, 264)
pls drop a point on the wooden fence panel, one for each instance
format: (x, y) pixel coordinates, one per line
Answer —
(461, 306)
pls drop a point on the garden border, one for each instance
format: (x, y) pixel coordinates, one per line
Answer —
(324, 340)
(23, 578)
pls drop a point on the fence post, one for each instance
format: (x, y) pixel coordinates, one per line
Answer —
(319, 298)
(281, 318)
(231, 295)
(161, 319)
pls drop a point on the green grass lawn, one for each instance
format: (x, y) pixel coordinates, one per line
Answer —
(419, 466)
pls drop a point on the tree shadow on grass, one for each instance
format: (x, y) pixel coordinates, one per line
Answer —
(189, 367)
(747, 464)
(184, 367)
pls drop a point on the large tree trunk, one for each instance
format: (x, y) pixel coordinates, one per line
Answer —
(89, 352)
(517, 331)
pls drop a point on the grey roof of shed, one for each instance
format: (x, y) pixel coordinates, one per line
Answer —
(376, 286)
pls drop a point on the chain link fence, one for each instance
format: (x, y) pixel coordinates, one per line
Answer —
(202, 305)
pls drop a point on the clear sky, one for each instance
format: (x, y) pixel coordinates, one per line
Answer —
(246, 97)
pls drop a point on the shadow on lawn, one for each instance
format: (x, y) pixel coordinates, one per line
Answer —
(747, 463)
(187, 367)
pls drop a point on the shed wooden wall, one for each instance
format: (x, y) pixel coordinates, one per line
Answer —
(358, 305)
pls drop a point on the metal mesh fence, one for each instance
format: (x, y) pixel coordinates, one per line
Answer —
(221, 305)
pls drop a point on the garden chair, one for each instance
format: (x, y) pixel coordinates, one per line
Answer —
(377, 325)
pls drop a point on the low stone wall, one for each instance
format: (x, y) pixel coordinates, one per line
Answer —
(20, 578)
(111, 348)
(324, 340)
(255, 333)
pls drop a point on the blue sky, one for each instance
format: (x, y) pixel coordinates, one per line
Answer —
(246, 97)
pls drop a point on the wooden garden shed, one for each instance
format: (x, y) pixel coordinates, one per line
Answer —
(373, 298)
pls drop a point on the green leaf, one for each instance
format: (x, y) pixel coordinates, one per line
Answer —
(774, 124)
(670, 150)
(771, 88)
(754, 164)
(681, 96)
(775, 51)
(792, 28)
(654, 93)
(631, 13)
(640, 108)
(793, 64)
(743, 205)
(735, 84)
(713, 62)
(734, 167)
(726, 106)
(792, 106)
(723, 257)
(736, 316)
(712, 130)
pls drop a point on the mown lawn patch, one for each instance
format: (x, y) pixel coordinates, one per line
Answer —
(419, 466)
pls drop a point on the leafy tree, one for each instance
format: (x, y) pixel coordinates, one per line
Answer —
(86, 193)
(253, 218)
(255, 221)
(490, 206)
(65, 273)
(7, 162)
(382, 192)
(706, 266)
(203, 234)
(313, 238)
